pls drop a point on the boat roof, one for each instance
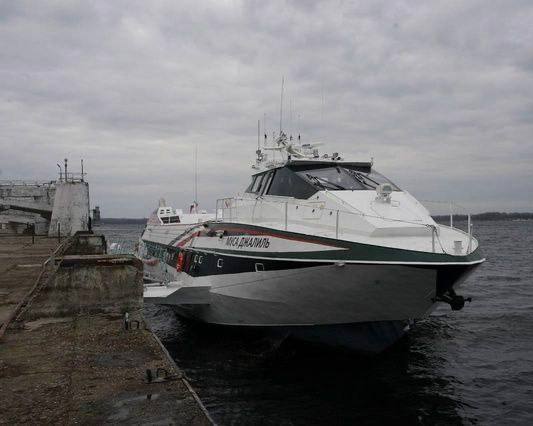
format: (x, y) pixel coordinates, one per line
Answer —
(328, 162)
(320, 163)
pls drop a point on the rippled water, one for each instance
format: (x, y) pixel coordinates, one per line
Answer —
(469, 367)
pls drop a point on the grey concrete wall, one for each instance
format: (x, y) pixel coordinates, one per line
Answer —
(38, 191)
(71, 208)
(92, 284)
(23, 203)
(87, 243)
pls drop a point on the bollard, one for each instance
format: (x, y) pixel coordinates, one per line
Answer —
(126, 321)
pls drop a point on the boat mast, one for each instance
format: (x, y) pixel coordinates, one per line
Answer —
(196, 177)
(281, 106)
(258, 135)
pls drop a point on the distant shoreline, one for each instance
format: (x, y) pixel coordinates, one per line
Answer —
(479, 216)
(489, 216)
(122, 220)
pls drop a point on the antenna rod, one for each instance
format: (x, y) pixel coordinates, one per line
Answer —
(281, 105)
(290, 116)
(196, 175)
(258, 135)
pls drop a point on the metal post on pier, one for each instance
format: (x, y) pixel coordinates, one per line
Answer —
(433, 229)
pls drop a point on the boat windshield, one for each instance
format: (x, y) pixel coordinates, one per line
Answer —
(343, 178)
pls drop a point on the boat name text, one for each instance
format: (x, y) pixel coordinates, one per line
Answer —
(245, 242)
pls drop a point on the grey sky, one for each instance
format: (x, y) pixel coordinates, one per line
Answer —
(439, 93)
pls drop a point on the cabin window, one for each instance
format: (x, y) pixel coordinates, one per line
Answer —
(267, 181)
(249, 189)
(339, 178)
(174, 219)
(257, 183)
(262, 180)
(288, 184)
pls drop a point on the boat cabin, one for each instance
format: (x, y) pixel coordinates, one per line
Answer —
(169, 215)
(302, 179)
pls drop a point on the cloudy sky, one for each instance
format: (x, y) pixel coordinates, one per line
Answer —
(440, 94)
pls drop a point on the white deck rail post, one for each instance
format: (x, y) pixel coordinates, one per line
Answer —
(451, 214)
(337, 225)
(469, 234)
(433, 229)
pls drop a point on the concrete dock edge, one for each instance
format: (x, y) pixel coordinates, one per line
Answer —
(67, 355)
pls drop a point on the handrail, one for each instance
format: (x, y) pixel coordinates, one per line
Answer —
(453, 207)
(231, 206)
(304, 204)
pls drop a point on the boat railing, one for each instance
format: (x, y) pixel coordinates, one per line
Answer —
(120, 246)
(333, 220)
(457, 215)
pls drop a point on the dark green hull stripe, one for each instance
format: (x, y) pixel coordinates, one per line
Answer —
(350, 251)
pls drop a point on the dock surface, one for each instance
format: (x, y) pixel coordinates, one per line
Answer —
(20, 265)
(67, 357)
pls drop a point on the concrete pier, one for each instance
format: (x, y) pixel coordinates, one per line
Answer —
(45, 207)
(71, 208)
(66, 355)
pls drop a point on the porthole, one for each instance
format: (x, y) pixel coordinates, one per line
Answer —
(259, 267)
(220, 263)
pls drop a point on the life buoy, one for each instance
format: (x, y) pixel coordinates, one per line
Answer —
(179, 264)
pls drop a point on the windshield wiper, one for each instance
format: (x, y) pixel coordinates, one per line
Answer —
(362, 178)
(319, 180)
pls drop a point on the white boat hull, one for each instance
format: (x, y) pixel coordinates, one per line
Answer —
(327, 294)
